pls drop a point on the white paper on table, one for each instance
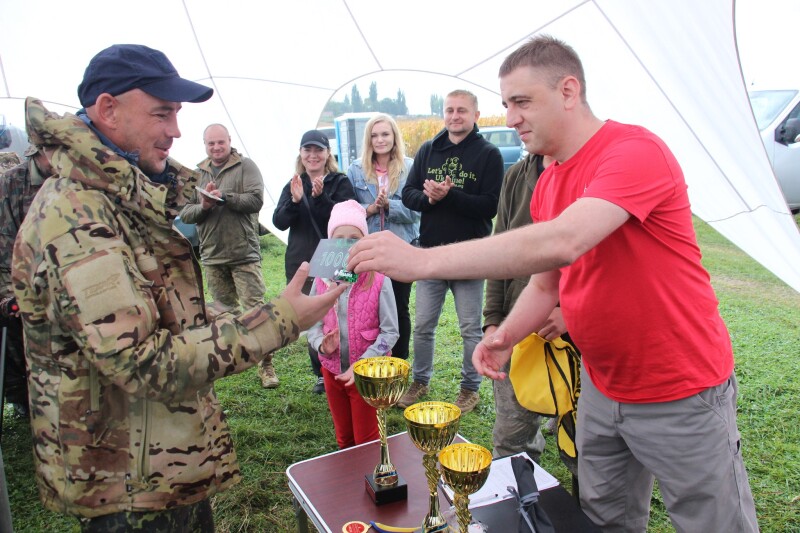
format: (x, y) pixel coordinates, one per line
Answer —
(501, 476)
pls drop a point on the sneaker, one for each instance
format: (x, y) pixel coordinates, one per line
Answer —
(467, 400)
(319, 386)
(269, 379)
(412, 395)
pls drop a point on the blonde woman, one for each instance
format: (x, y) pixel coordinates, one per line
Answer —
(378, 178)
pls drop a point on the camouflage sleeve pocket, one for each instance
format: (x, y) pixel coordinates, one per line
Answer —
(112, 307)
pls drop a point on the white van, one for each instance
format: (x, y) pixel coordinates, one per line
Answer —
(777, 113)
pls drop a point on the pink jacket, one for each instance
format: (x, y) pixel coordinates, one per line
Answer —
(363, 320)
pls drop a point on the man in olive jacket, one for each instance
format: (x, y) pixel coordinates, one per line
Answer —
(515, 429)
(228, 228)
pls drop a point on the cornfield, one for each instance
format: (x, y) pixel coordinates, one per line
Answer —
(417, 131)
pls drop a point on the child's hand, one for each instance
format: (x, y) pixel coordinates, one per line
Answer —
(347, 377)
(330, 342)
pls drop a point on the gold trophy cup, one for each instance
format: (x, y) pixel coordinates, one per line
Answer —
(432, 426)
(465, 468)
(382, 381)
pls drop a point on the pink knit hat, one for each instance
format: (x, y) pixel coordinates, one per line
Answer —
(348, 213)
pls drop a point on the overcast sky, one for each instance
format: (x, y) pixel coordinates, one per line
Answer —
(767, 33)
(768, 37)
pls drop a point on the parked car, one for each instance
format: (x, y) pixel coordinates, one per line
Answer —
(507, 140)
(777, 113)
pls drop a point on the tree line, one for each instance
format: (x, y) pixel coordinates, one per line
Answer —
(355, 103)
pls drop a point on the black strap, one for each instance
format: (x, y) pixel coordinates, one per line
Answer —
(311, 215)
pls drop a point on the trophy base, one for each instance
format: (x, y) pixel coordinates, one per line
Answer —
(381, 495)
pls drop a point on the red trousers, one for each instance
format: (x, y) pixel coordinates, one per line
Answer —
(354, 420)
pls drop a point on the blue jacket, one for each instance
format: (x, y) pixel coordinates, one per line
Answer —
(400, 220)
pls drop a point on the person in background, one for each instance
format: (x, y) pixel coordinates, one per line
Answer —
(228, 229)
(363, 323)
(515, 428)
(18, 186)
(613, 242)
(378, 178)
(8, 160)
(305, 206)
(455, 182)
(128, 433)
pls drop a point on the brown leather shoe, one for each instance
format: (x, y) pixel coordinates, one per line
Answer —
(412, 395)
(467, 400)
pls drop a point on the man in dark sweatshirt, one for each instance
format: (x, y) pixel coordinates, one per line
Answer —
(455, 182)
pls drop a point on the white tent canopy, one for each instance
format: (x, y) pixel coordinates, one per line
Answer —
(670, 65)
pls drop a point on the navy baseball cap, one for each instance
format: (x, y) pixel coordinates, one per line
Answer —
(122, 67)
(316, 138)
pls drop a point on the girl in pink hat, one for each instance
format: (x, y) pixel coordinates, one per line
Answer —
(363, 323)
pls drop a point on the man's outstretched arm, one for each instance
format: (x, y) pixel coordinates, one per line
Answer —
(521, 252)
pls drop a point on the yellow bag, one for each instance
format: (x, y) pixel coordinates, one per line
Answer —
(545, 375)
(546, 380)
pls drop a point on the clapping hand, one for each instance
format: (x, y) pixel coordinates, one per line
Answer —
(382, 201)
(316, 186)
(436, 191)
(296, 188)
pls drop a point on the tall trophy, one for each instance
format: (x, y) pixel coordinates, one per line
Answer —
(432, 426)
(382, 381)
(465, 467)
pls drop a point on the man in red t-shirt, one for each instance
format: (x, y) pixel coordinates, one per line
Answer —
(613, 240)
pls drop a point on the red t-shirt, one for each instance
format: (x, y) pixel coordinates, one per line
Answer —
(639, 305)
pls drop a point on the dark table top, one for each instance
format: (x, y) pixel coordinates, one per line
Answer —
(331, 488)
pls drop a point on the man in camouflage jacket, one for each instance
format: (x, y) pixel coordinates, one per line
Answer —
(122, 355)
(18, 186)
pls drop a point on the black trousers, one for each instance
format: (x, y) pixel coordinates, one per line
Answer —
(402, 294)
(15, 382)
(316, 366)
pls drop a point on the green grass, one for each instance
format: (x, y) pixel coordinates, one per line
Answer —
(275, 428)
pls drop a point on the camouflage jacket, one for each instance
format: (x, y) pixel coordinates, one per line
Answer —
(121, 355)
(18, 186)
(229, 232)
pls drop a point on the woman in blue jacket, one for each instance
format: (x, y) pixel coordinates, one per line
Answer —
(378, 178)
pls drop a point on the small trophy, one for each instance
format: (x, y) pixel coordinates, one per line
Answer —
(432, 426)
(382, 381)
(465, 468)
